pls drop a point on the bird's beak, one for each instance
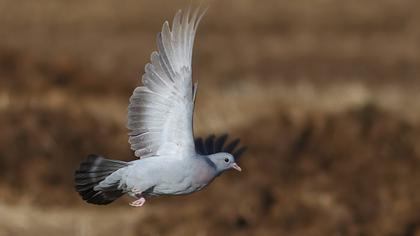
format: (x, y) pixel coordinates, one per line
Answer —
(236, 167)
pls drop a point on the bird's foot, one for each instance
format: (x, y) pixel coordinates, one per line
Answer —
(140, 199)
(139, 202)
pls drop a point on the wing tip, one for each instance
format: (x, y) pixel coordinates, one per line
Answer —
(214, 144)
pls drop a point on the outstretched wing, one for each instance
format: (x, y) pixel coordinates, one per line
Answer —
(213, 144)
(161, 111)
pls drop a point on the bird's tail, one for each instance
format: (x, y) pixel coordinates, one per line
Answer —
(91, 173)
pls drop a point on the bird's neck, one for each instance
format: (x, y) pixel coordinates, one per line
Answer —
(206, 170)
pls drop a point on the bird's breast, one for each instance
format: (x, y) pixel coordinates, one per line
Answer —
(204, 176)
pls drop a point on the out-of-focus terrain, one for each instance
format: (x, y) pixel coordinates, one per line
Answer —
(325, 94)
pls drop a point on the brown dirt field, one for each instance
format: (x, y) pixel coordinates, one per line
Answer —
(324, 93)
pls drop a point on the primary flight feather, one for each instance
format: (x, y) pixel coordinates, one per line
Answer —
(160, 120)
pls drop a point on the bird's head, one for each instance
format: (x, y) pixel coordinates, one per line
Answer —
(224, 161)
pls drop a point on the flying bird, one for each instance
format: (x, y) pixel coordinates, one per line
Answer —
(160, 120)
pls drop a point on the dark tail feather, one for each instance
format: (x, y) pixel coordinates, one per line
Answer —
(90, 173)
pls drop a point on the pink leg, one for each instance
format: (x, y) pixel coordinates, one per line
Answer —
(139, 202)
(140, 199)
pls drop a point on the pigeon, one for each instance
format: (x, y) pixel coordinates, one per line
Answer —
(160, 119)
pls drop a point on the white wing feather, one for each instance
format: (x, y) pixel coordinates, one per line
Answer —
(160, 113)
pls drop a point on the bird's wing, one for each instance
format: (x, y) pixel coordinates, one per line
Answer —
(213, 144)
(160, 113)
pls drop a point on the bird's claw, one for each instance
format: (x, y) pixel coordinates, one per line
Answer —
(140, 199)
(139, 202)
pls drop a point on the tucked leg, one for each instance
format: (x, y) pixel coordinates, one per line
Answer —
(140, 199)
(139, 202)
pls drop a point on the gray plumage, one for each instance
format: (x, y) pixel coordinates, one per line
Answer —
(160, 117)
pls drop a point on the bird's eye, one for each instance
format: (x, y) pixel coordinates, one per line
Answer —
(226, 160)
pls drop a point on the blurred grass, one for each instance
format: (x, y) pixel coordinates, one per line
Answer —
(323, 92)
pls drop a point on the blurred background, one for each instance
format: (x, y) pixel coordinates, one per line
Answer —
(324, 93)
